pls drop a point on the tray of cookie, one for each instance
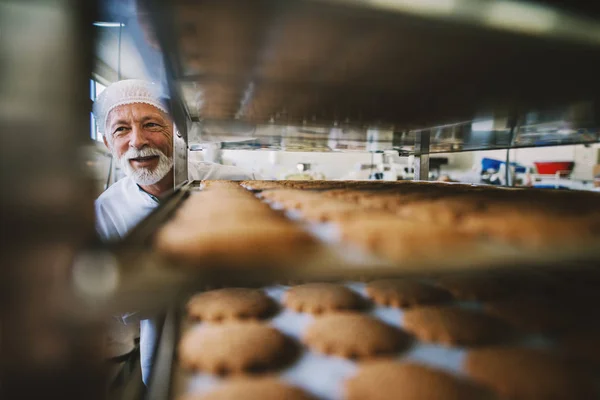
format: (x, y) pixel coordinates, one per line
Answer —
(263, 232)
(514, 334)
(425, 314)
(331, 230)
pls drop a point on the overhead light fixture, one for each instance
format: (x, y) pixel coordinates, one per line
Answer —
(108, 24)
(521, 17)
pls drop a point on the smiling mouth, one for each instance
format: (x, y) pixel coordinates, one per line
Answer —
(143, 159)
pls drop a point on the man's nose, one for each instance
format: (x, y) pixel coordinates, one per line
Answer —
(137, 138)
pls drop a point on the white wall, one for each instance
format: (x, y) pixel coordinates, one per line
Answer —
(271, 164)
(457, 161)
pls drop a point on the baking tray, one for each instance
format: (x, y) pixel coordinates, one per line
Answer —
(151, 283)
(321, 375)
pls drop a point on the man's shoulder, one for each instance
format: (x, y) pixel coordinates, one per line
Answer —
(115, 191)
(120, 207)
(211, 171)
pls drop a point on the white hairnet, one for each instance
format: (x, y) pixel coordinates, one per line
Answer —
(128, 91)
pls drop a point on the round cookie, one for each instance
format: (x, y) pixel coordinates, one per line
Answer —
(389, 380)
(317, 298)
(353, 335)
(401, 293)
(532, 230)
(253, 389)
(443, 211)
(400, 240)
(236, 243)
(525, 374)
(453, 326)
(230, 304)
(474, 288)
(332, 211)
(235, 347)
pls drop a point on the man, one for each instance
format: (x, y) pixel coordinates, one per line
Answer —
(138, 131)
(136, 128)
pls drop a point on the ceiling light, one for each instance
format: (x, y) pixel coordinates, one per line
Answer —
(108, 24)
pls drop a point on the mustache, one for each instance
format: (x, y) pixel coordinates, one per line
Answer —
(143, 152)
(145, 176)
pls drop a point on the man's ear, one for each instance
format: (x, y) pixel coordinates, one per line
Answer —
(106, 142)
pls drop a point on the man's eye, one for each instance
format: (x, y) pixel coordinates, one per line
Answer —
(151, 125)
(120, 129)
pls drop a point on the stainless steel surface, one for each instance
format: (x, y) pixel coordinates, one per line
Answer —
(46, 202)
(164, 357)
(402, 64)
(508, 173)
(555, 128)
(180, 159)
(421, 166)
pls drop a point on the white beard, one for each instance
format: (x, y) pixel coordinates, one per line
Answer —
(145, 176)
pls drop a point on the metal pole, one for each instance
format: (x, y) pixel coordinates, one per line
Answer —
(421, 163)
(160, 16)
(507, 172)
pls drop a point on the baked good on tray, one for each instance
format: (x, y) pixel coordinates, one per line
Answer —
(315, 207)
(399, 222)
(291, 184)
(218, 206)
(390, 380)
(319, 298)
(400, 240)
(336, 211)
(292, 198)
(235, 348)
(441, 211)
(534, 230)
(230, 226)
(228, 304)
(454, 326)
(240, 244)
(336, 334)
(404, 293)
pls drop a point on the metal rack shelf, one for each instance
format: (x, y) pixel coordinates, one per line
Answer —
(149, 282)
(458, 137)
(393, 66)
(357, 75)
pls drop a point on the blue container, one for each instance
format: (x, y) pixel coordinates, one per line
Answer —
(490, 163)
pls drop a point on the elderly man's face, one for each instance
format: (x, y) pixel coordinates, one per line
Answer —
(140, 136)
